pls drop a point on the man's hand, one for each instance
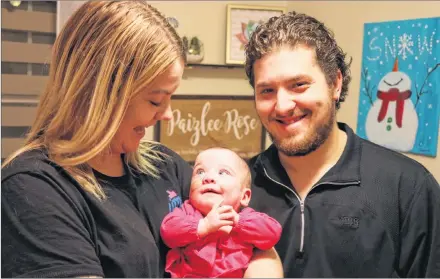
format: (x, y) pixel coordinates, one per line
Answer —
(218, 217)
(265, 264)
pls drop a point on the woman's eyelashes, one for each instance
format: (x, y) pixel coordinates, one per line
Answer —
(156, 104)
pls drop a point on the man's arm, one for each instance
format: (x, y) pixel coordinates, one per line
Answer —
(258, 228)
(420, 233)
(265, 264)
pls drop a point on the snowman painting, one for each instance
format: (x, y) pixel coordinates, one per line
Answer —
(392, 120)
(399, 96)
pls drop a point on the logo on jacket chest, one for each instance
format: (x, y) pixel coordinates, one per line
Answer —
(174, 200)
(348, 222)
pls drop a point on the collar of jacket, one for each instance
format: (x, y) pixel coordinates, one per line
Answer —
(345, 171)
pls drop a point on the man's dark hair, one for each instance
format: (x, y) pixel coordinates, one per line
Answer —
(294, 29)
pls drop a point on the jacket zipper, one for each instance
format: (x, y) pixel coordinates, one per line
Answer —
(302, 202)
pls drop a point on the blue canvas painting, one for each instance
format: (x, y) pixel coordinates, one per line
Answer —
(399, 103)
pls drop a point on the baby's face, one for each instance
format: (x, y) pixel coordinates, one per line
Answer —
(218, 176)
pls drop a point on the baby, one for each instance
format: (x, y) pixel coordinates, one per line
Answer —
(214, 233)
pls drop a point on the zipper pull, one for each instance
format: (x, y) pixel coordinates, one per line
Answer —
(302, 206)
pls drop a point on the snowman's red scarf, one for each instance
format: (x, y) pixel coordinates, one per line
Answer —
(393, 95)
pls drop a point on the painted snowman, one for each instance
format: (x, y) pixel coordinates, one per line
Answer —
(392, 120)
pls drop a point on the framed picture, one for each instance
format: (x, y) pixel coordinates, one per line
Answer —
(241, 22)
(201, 122)
(399, 101)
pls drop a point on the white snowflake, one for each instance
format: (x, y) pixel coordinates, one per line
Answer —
(381, 63)
(419, 24)
(368, 77)
(405, 44)
(410, 67)
(398, 27)
(369, 32)
(430, 106)
(417, 58)
(430, 84)
(375, 29)
(438, 41)
(381, 33)
(429, 138)
(426, 124)
(426, 26)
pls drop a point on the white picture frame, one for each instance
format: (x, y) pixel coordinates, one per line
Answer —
(241, 21)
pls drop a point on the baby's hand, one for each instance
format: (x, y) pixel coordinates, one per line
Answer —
(218, 217)
(236, 218)
(227, 229)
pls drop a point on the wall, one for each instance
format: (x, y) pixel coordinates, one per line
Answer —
(64, 10)
(346, 19)
(207, 20)
(28, 33)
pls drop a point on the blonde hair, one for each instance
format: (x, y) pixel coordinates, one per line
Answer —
(105, 54)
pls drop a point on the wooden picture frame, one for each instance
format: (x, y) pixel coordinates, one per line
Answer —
(240, 23)
(200, 122)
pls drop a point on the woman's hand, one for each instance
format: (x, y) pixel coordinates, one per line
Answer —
(265, 264)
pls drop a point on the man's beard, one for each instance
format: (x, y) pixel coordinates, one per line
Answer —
(313, 139)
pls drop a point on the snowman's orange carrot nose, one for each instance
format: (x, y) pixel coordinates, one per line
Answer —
(396, 65)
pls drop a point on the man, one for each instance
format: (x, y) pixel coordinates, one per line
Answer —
(348, 207)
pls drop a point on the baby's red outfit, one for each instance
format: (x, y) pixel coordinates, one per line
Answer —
(218, 254)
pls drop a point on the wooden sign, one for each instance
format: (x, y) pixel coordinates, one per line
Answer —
(201, 122)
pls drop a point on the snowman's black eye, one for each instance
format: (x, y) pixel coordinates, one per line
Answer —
(397, 83)
(401, 79)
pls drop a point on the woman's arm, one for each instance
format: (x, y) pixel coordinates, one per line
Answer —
(265, 264)
(43, 231)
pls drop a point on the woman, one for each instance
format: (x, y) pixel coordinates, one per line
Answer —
(84, 196)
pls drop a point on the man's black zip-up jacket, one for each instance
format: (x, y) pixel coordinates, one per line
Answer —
(376, 213)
